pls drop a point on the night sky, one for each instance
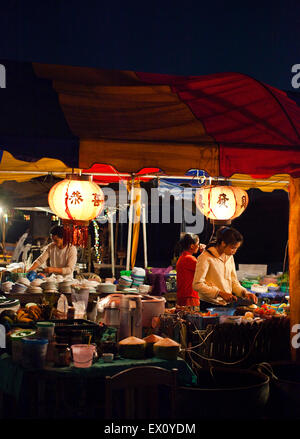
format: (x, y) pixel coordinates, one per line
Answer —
(261, 39)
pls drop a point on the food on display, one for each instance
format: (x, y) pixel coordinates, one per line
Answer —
(166, 349)
(132, 347)
(150, 340)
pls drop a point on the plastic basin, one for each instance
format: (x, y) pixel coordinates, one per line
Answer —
(224, 393)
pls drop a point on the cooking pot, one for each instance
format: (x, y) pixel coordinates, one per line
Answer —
(152, 307)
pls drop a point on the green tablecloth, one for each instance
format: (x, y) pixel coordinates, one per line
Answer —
(13, 377)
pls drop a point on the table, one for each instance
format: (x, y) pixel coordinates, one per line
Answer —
(55, 392)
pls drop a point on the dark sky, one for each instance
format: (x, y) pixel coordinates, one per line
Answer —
(261, 39)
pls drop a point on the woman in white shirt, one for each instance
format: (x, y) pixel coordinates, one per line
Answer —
(215, 277)
(63, 257)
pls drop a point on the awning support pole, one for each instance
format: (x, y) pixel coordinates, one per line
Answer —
(294, 266)
(112, 247)
(130, 226)
(144, 235)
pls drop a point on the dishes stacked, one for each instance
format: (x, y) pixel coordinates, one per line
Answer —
(34, 289)
(36, 282)
(106, 287)
(90, 283)
(87, 286)
(65, 286)
(24, 281)
(145, 289)
(125, 282)
(18, 288)
(138, 276)
(49, 286)
(6, 286)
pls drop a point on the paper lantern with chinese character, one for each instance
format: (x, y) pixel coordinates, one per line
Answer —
(76, 200)
(221, 203)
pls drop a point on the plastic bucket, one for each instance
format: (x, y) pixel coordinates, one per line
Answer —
(45, 330)
(227, 393)
(34, 351)
(83, 354)
(17, 345)
(284, 401)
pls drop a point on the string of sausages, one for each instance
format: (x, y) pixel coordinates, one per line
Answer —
(75, 234)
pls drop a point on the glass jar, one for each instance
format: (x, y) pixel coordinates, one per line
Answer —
(62, 355)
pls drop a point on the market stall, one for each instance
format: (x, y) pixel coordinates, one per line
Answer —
(231, 126)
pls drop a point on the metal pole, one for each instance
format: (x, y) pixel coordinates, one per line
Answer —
(130, 228)
(112, 245)
(3, 236)
(144, 235)
(182, 177)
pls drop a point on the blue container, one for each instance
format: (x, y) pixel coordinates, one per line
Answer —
(34, 351)
(222, 310)
(31, 275)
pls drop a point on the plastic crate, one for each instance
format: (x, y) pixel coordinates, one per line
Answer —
(201, 322)
(73, 331)
(221, 311)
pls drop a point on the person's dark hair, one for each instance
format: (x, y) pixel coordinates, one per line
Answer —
(57, 231)
(229, 235)
(185, 242)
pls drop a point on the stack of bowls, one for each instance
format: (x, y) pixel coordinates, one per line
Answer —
(35, 286)
(34, 290)
(90, 283)
(36, 282)
(138, 276)
(24, 281)
(125, 282)
(59, 278)
(87, 285)
(49, 286)
(145, 289)
(65, 286)
(107, 288)
(18, 288)
(6, 286)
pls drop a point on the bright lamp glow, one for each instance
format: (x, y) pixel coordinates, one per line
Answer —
(221, 202)
(76, 200)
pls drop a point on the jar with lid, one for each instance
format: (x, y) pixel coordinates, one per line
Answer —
(62, 355)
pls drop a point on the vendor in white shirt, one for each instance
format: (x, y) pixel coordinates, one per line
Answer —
(63, 257)
(215, 277)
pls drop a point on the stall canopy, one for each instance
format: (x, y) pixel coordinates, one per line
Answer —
(61, 118)
(56, 118)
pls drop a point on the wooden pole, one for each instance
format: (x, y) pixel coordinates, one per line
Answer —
(294, 262)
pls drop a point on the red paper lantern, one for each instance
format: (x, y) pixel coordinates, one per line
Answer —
(76, 200)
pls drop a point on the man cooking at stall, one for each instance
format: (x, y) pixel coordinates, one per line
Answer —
(62, 257)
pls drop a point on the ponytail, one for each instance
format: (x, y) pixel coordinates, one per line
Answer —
(185, 243)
